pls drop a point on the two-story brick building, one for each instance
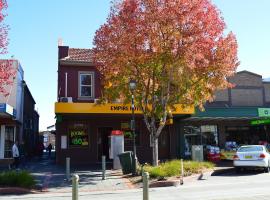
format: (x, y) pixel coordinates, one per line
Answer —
(240, 114)
(83, 128)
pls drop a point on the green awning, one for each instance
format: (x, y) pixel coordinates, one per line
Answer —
(246, 112)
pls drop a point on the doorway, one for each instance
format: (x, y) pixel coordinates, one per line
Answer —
(103, 142)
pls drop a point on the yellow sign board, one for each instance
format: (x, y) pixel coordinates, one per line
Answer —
(84, 108)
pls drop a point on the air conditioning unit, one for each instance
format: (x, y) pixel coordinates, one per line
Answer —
(66, 99)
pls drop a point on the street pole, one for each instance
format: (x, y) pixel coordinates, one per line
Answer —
(75, 186)
(103, 167)
(134, 136)
(67, 168)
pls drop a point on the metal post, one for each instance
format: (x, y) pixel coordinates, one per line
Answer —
(145, 186)
(67, 168)
(134, 136)
(103, 167)
(75, 185)
(182, 172)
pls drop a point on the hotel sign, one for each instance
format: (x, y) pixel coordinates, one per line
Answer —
(92, 108)
(264, 112)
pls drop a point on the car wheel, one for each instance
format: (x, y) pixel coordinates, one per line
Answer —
(237, 170)
(267, 169)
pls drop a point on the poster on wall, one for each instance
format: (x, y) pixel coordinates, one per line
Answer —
(78, 138)
(63, 142)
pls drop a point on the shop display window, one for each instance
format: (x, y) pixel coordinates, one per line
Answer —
(199, 135)
(9, 141)
(128, 135)
(248, 135)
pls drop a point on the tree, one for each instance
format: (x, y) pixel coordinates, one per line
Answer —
(6, 71)
(176, 51)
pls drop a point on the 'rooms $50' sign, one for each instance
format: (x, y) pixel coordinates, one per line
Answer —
(78, 138)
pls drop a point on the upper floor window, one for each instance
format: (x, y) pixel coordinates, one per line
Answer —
(86, 84)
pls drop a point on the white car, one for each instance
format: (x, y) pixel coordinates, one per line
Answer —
(252, 156)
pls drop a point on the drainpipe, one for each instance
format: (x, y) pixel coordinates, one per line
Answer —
(66, 84)
(22, 117)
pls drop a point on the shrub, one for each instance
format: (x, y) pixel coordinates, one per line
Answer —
(173, 168)
(17, 179)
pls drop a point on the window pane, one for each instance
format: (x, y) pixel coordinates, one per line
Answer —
(86, 91)
(250, 148)
(86, 79)
(9, 140)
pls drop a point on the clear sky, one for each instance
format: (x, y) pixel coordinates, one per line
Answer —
(36, 25)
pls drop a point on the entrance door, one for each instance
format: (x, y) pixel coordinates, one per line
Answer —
(103, 142)
(164, 145)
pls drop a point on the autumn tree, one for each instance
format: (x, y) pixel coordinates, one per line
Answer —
(176, 50)
(6, 71)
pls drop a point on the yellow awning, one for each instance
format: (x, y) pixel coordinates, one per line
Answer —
(92, 108)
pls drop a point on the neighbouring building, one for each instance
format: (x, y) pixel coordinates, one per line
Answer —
(31, 123)
(48, 136)
(83, 128)
(18, 119)
(240, 115)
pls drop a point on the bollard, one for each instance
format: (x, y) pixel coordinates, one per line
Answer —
(67, 168)
(75, 185)
(103, 167)
(182, 173)
(145, 186)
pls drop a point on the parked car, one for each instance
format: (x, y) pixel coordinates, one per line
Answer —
(252, 156)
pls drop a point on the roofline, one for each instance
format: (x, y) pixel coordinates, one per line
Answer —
(76, 63)
(27, 88)
(252, 73)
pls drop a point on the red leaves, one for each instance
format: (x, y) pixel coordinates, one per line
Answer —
(146, 37)
(6, 71)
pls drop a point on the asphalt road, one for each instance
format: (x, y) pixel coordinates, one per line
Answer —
(227, 186)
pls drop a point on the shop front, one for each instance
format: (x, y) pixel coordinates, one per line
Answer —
(8, 129)
(226, 128)
(83, 131)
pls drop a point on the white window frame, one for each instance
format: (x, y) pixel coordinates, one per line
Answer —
(92, 74)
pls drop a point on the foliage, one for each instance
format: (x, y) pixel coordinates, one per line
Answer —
(6, 71)
(172, 168)
(17, 179)
(174, 49)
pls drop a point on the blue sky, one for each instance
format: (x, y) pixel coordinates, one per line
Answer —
(35, 27)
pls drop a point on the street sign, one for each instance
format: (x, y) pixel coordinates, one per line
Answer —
(264, 112)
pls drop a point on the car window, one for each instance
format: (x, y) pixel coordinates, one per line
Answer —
(250, 148)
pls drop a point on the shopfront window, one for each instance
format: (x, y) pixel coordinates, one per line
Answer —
(199, 135)
(128, 135)
(9, 141)
(251, 135)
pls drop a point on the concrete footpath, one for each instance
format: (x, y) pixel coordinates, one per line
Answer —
(52, 178)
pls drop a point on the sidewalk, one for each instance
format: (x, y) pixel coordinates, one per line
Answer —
(52, 178)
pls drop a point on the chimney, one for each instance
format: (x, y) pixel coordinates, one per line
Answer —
(60, 42)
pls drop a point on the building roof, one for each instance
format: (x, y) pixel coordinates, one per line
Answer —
(248, 72)
(79, 55)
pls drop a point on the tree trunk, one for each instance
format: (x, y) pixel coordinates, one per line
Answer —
(155, 150)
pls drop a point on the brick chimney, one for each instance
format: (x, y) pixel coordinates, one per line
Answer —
(62, 50)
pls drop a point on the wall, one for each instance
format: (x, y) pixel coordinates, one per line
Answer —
(73, 81)
(248, 90)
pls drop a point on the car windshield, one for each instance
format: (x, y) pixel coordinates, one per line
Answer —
(250, 148)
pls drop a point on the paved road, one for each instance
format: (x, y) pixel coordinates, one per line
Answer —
(248, 186)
